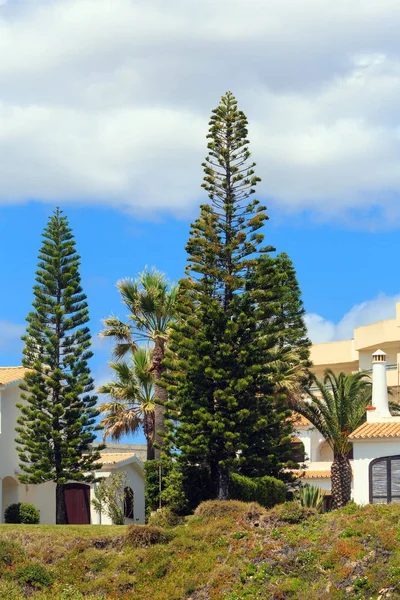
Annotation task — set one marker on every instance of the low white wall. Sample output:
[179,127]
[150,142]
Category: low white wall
[364,452]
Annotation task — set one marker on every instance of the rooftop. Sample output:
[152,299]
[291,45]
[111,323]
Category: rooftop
[371,430]
[11,374]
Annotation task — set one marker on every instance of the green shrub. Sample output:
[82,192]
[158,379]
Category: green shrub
[141,536]
[266,491]
[33,574]
[165,517]
[292,512]
[22,513]
[184,487]
[10,553]
[311,496]
[217,509]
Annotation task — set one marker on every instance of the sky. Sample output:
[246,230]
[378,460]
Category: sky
[104,109]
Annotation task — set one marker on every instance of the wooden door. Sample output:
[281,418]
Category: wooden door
[77,500]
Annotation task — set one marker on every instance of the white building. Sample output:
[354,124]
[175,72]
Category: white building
[375,457]
[78,495]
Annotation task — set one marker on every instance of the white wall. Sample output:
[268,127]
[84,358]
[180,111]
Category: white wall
[135,480]
[364,452]
[9,413]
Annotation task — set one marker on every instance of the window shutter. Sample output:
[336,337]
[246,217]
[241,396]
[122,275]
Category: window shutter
[395,480]
[379,482]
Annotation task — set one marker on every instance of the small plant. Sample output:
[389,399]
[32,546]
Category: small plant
[110,497]
[165,517]
[10,553]
[310,496]
[141,536]
[292,512]
[33,574]
[22,512]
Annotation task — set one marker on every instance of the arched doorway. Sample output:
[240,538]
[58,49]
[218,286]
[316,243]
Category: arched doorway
[325,452]
[298,451]
[384,480]
[77,502]
[9,493]
[128,503]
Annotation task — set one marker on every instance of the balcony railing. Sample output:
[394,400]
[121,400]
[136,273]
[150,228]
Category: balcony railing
[392,367]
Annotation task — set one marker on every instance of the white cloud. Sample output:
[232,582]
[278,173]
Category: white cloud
[107,101]
[10,336]
[380,308]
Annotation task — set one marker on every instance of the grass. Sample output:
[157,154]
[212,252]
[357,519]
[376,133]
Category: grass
[232,552]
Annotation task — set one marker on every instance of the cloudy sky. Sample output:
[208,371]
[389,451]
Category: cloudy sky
[104,106]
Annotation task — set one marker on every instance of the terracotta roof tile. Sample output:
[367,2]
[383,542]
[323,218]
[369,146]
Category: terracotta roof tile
[376,431]
[324,474]
[11,374]
[299,420]
[111,458]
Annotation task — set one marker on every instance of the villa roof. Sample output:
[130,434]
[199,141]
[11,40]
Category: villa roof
[323,474]
[111,458]
[299,421]
[11,374]
[376,431]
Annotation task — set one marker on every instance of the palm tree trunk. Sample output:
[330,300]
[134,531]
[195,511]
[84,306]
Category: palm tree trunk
[148,426]
[341,476]
[161,398]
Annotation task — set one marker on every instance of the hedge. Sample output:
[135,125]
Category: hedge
[267,491]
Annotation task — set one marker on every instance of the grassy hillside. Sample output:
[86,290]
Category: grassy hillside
[228,550]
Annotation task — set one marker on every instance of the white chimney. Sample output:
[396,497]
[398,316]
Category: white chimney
[379,385]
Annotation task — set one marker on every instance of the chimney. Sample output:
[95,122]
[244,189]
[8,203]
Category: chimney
[379,385]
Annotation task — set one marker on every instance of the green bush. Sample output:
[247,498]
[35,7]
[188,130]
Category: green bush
[266,491]
[141,536]
[183,487]
[217,509]
[33,574]
[292,512]
[22,513]
[164,518]
[10,553]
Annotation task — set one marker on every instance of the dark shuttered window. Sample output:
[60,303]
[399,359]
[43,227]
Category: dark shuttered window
[384,480]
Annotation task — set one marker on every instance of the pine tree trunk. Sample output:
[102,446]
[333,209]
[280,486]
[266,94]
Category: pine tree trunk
[341,476]
[162,397]
[61,508]
[223,484]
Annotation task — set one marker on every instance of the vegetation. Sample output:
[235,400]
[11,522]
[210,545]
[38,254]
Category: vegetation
[267,491]
[132,399]
[226,414]
[311,496]
[57,421]
[227,551]
[151,303]
[336,410]
[21,512]
[109,497]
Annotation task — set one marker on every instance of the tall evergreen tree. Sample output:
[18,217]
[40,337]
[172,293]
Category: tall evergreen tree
[57,420]
[222,398]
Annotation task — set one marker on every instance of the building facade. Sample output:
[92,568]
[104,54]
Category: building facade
[348,356]
[125,458]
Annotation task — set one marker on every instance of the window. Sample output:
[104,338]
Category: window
[384,480]
[128,503]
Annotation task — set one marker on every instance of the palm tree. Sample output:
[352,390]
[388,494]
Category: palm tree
[336,410]
[151,303]
[131,401]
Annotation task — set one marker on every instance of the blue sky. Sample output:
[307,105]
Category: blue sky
[104,107]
